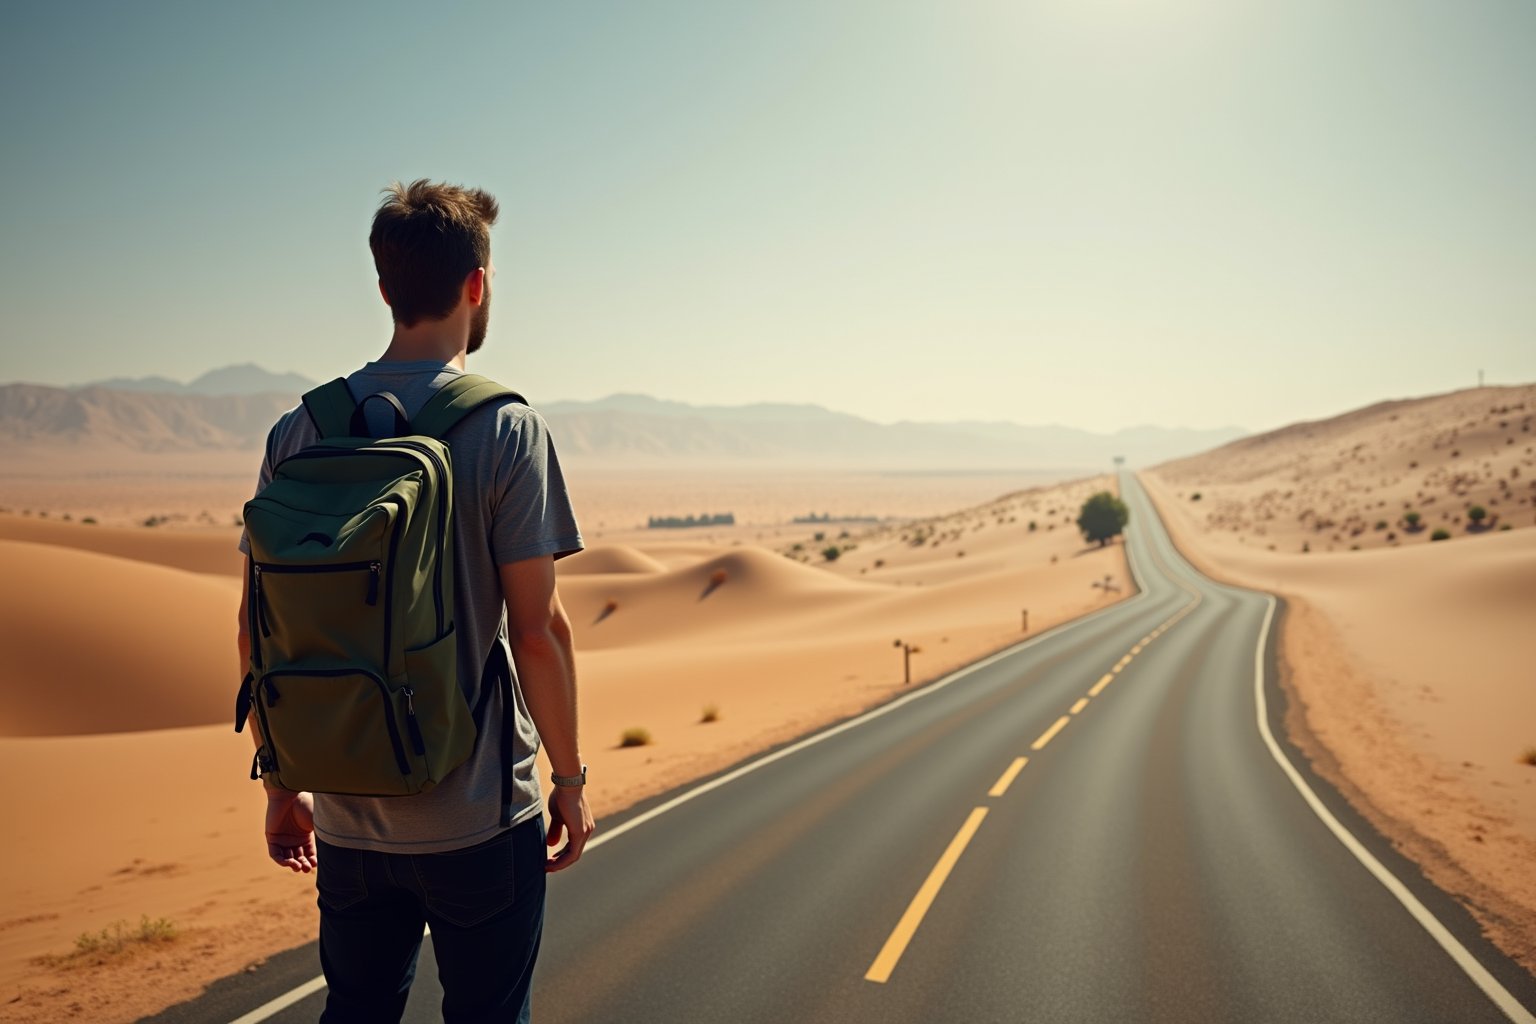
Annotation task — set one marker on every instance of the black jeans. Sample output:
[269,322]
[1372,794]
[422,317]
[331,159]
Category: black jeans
[486,908]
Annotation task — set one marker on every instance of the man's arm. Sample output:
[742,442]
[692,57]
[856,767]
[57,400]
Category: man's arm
[540,635]
[290,816]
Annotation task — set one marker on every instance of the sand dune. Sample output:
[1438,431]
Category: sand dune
[208,550]
[607,559]
[101,644]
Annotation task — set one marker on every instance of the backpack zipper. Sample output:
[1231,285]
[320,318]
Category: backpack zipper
[392,450]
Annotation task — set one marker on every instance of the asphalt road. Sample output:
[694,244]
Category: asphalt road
[1152,860]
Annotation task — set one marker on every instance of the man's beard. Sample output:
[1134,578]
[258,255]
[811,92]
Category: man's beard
[478,323]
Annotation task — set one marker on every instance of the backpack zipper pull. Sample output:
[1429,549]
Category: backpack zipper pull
[271,688]
[261,604]
[417,740]
[373,582]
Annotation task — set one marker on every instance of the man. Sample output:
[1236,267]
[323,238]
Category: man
[387,866]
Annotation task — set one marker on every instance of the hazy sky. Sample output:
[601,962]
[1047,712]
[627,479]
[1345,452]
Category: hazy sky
[1092,212]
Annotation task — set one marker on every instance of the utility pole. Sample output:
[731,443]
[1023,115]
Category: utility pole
[907,650]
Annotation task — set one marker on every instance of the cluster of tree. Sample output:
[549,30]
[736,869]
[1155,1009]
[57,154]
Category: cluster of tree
[682,522]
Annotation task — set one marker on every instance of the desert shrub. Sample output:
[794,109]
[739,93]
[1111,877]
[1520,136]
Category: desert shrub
[89,520]
[635,737]
[830,552]
[1306,546]
[711,713]
[1412,519]
[610,606]
[117,939]
[879,563]
[1381,524]
[1477,514]
[819,536]
[1033,526]
[717,577]
[1440,534]
[1391,536]
[959,554]
[1529,757]
[1506,526]
[1195,496]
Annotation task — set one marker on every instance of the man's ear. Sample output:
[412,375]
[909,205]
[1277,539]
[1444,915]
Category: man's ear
[474,286]
[384,294]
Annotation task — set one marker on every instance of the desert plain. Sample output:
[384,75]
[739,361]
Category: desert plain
[717,642]
[1408,661]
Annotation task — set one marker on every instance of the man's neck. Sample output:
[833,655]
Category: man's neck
[441,340]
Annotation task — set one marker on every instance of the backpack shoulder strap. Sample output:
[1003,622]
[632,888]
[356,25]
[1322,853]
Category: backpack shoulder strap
[330,407]
[457,399]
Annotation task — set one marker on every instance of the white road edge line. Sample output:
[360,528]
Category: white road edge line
[282,1002]
[1463,958]
[1437,931]
[313,985]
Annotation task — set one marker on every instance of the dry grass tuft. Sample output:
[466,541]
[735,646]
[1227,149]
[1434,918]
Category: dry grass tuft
[711,713]
[116,940]
[635,737]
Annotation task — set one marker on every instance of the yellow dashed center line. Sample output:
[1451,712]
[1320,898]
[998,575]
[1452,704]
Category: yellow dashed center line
[1006,779]
[1050,734]
[890,953]
[901,935]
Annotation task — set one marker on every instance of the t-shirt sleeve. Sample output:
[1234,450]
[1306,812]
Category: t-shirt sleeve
[531,512]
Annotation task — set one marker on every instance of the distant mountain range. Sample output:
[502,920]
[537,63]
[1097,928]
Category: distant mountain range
[232,408]
[245,379]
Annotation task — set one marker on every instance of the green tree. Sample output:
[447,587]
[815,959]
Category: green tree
[1103,516]
[1412,519]
[1477,514]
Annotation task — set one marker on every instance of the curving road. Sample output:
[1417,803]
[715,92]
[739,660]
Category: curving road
[1096,825]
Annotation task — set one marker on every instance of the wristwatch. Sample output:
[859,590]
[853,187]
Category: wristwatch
[570,780]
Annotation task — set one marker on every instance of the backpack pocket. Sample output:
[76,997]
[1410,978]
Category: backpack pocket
[439,723]
[332,612]
[336,730]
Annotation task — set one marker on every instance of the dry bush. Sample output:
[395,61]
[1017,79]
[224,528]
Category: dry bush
[635,737]
[711,713]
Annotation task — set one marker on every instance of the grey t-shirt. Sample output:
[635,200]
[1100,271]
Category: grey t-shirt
[510,503]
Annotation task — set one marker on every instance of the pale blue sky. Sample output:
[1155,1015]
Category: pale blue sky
[1093,212]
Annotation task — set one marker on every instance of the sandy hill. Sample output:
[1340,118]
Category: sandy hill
[192,550]
[606,559]
[99,644]
[1351,480]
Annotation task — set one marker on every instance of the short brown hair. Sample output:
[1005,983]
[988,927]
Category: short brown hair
[426,238]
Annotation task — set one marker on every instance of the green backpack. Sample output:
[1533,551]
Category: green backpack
[354,671]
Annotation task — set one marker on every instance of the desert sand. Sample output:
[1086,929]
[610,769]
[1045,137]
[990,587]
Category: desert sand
[118,711]
[1409,660]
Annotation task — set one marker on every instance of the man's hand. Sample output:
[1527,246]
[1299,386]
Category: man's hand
[291,830]
[568,813]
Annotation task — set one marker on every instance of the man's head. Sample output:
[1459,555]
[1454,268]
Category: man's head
[427,240]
